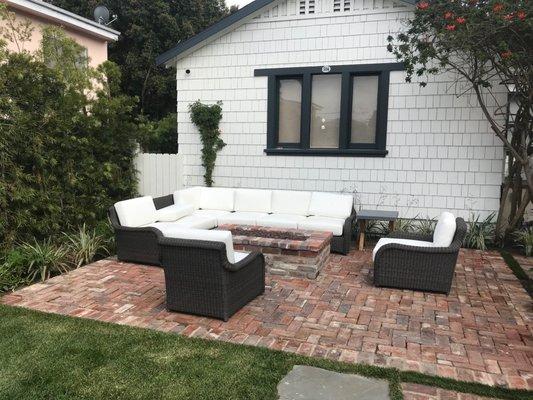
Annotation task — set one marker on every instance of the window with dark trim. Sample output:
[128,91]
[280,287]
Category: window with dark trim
[330,110]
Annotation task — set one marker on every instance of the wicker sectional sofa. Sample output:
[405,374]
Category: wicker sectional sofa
[140,223]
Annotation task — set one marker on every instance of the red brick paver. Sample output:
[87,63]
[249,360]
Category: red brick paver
[481,332]
[413,391]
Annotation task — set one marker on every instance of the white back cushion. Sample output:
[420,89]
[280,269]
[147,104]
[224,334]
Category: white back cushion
[445,230]
[254,200]
[173,212]
[136,212]
[217,199]
[210,236]
[189,196]
[290,202]
[331,205]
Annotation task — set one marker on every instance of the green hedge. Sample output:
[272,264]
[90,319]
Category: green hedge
[65,156]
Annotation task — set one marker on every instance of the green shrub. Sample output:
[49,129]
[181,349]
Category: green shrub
[480,233]
[30,262]
[65,157]
[524,237]
[14,271]
[84,245]
[161,136]
[425,226]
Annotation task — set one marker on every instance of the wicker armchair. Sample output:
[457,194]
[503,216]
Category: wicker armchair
[418,268]
[200,280]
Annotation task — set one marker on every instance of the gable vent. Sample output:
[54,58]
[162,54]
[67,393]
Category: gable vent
[336,5]
[306,7]
[346,5]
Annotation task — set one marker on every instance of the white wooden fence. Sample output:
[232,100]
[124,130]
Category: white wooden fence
[159,174]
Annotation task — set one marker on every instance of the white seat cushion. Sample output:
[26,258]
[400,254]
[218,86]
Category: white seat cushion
[173,212]
[136,212]
[289,221]
[189,196]
[239,255]
[253,200]
[211,213]
[290,202]
[242,218]
[210,236]
[189,221]
[331,205]
[326,224]
[408,242]
[444,230]
[217,199]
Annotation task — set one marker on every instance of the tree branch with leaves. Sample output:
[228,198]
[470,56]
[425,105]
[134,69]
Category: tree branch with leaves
[488,44]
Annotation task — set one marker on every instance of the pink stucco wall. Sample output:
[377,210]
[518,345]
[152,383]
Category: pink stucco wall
[96,47]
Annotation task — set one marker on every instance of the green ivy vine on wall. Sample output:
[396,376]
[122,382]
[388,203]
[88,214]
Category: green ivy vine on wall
[207,118]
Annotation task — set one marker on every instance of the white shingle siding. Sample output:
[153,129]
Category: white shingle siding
[442,154]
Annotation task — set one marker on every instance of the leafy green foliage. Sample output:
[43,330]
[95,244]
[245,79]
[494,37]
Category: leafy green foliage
[29,262]
[426,226]
[33,261]
[65,156]
[525,239]
[207,118]
[161,136]
[84,245]
[148,28]
[480,232]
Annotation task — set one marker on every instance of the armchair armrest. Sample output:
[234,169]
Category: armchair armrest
[411,236]
[250,258]
[416,249]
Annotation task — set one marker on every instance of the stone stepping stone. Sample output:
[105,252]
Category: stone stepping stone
[310,383]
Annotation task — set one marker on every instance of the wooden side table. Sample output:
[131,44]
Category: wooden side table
[374,215]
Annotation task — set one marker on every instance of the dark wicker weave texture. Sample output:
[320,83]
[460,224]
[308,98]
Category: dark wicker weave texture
[341,244]
[138,245]
[418,268]
[200,280]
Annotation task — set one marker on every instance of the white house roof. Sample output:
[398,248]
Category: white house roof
[64,17]
[225,25]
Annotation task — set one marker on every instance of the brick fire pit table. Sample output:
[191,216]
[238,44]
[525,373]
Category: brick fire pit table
[288,252]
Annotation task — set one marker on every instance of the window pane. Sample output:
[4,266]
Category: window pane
[290,109]
[364,109]
[325,111]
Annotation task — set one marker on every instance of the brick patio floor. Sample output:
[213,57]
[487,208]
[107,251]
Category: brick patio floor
[481,332]
[413,391]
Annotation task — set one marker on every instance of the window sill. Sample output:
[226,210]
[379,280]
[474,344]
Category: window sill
[327,152]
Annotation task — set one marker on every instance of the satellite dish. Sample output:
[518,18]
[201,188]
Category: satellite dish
[101,15]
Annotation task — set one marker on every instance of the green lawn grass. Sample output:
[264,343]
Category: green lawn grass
[45,356]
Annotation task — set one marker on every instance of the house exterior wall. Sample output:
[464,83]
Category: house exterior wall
[96,48]
[442,154]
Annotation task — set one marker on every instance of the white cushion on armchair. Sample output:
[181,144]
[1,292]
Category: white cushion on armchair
[136,212]
[407,242]
[210,236]
[445,230]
